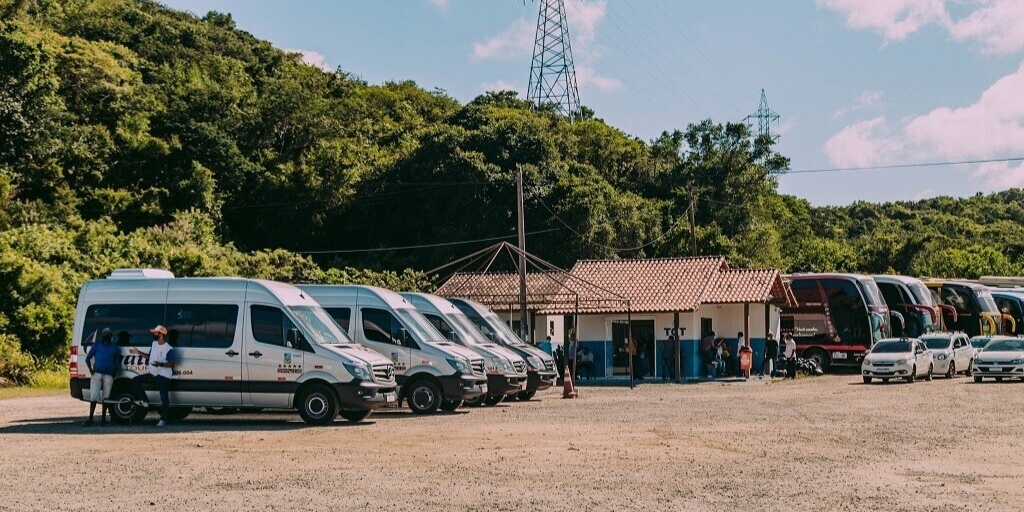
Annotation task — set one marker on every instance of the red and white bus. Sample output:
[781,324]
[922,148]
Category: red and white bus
[837,319]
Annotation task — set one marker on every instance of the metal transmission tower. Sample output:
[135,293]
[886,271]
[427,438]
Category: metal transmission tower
[552,73]
[765,117]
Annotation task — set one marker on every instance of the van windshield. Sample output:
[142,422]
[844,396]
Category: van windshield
[319,325]
[465,329]
[419,327]
[503,331]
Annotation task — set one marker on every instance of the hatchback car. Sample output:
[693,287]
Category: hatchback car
[1002,358]
[951,352]
[898,358]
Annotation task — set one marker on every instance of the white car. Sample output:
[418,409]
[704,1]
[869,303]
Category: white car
[1002,358]
[951,352]
[897,358]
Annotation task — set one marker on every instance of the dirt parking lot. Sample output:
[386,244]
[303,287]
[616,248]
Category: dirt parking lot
[828,443]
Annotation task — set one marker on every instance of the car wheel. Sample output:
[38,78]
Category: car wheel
[885,381]
[450,405]
[928,376]
[319,406]
[913,375]
[176,414]
[970,364]
[999,379]
[424,397]
[356,416]
[125,412]
[952,370]
[526,396]
[220,411]
[867,380]
[977,379]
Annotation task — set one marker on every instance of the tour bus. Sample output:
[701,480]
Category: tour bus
[432,373]
[837,318]
[1003,283]
[910,298]
[971,308]
[238,342]
[540,366]
[506,371]
[1011,304]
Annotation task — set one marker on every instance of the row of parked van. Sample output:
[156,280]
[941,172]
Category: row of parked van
[321,350]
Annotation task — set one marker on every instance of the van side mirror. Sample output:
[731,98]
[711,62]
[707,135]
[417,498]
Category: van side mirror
[293,339]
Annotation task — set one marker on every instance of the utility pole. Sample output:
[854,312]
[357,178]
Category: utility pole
[523,329]
[552,72]
[693,218]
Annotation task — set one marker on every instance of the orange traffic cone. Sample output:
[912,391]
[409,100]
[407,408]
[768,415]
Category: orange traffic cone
[568,391]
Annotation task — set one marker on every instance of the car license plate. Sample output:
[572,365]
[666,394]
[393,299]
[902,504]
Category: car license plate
[838,355]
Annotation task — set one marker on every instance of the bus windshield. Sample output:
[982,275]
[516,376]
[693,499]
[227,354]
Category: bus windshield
[320,326]
[985,301]
[921,294]
[872,295]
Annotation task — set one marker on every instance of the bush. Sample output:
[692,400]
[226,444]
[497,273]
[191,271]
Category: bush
[16,367]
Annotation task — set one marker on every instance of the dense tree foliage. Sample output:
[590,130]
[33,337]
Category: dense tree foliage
[134,135]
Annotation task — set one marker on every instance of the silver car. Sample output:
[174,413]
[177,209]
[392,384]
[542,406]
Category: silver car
[1002,358]
[897,358]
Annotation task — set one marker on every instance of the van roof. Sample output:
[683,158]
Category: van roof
[172,288]
[326,292]
[890,278]
[432,301]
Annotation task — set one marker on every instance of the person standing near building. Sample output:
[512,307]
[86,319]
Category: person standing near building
[103,361]
[668,359]
[771,353]
[161,368]
[734,361]
[546,345]
[790,357]
[707,343]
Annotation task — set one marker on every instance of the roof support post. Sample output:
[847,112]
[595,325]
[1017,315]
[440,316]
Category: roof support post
[631,347]
[678,347]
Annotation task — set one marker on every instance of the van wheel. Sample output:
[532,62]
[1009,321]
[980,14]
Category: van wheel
[220,411]
[125,412]
[491,401]
[450,405]
[475,402]
[526,396]
[424,397]
[319,406]
[176,414]
[356,416]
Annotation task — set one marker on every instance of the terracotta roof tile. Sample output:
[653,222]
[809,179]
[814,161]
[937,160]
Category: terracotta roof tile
[746,285]
[502,289]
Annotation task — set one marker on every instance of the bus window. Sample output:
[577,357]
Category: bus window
[847,307]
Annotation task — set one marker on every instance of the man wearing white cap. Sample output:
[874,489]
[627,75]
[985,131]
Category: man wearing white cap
[161,364]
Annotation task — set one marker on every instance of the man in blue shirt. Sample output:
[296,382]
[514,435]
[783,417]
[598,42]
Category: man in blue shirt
[103,361]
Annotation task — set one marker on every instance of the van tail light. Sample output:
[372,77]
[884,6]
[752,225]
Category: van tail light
[73,366]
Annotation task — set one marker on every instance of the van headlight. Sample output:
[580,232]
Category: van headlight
[535,362]
[358,370]
[459,365]
[503,365]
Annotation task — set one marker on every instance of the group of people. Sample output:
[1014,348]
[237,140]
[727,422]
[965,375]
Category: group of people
[580,362]
[104,361]
[720,361]
[771,355]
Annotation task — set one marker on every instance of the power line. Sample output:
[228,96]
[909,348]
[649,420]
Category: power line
[906,166]
[426,246]
[615,249]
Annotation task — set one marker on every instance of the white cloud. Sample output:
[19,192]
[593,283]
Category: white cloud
[997,24]
[513,42]
[865,100]
[924,194]
[990,128]
[587,77]
[442,5]
[502,85]
[314,59]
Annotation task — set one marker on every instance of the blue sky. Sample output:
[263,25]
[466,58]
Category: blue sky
[858,83]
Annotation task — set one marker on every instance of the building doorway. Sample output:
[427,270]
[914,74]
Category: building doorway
[643,335]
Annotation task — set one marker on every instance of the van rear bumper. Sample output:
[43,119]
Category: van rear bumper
[504,385]
[536,381]
[77,387]
[360,395]
[462,387]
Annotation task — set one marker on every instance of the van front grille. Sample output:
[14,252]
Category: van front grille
[478,366]
[520,366]
[549,365]
[384,372]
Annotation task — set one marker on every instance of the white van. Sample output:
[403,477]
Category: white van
[240,343]
[540,366]
[432,373]
[506,371]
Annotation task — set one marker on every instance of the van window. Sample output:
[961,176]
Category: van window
[442,326]
[382,327]
[343,316]
[269,325]
[134,319]
[203,325]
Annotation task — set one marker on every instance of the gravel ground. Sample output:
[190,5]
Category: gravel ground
[828,443]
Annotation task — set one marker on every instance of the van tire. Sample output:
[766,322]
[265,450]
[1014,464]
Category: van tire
[424,397]
[450,405]
[356,416]
[125,412]
[475,402]
[220,411]
[176,414]
[319,405]
[526,396]
[491,401]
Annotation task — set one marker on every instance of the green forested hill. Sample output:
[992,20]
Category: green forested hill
[135,135]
